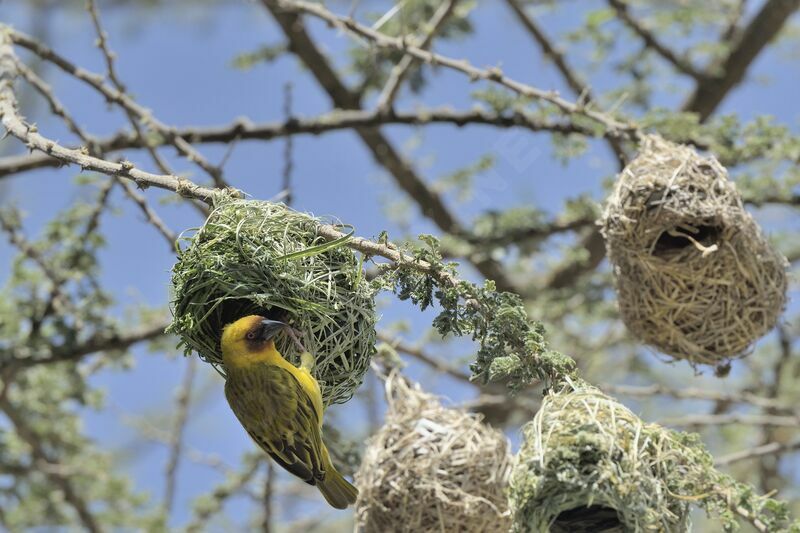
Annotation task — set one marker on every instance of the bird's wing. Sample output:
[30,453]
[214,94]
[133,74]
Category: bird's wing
[281,417]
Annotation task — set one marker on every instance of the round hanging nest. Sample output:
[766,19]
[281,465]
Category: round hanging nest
[430,468]
[588,463]
[695,276]
[254,257]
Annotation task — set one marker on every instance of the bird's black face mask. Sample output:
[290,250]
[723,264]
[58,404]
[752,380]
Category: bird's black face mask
[263,332]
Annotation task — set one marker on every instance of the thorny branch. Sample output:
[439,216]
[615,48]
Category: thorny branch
[113,95]
[182,405]
[28,134]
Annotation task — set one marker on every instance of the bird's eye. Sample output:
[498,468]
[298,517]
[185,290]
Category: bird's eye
[250,336]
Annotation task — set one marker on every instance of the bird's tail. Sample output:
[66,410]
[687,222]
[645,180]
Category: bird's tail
[336,489]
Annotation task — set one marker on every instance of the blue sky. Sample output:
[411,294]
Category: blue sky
[178,63]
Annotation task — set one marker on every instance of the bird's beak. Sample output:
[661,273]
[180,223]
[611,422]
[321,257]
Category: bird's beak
[270,328]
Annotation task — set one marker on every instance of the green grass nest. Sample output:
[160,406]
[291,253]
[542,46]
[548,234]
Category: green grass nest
[589,464]
[255,257]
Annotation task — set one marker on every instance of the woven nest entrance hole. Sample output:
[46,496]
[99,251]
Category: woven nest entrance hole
[695,276]
[432,468]
[253,257]
[588,464]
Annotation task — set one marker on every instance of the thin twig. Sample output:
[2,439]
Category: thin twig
[288,163]
[29,135]
[768,470]
[182,405]
[58,297]
[95,148]
[698,394]
[772,448]
[398,73]
[266,521]
[420,355]
[150,215]
[234,484]
[56,107]
[133,119]
[115,96]
[733,418]
[680,63]
[581,89]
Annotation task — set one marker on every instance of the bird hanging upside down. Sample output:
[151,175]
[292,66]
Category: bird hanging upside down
[280,405]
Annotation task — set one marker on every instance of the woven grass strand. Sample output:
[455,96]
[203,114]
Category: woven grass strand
[254,257]
[588,463]
[695,276]
[432,468]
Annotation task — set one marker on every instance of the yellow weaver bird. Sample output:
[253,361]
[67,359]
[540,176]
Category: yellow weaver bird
[280,405]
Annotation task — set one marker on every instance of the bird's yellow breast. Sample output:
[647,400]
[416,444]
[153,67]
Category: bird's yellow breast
[242,360]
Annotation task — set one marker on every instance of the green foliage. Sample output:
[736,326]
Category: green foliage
[263,54]
[461,181]
[44,312]
[512,347]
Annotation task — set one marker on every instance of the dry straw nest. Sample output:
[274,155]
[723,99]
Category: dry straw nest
[695,276]
[431,468]
[588,463]
[254,257]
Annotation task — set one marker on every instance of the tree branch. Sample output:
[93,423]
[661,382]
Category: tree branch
[115,96]
[612,126]
[99,342]
[711,90]
[772,448]
[30,136]
[420,355]
[699,394]
[733,418]
[578,87]
[392,87]
[182,403]
[243,130]
[680,63]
